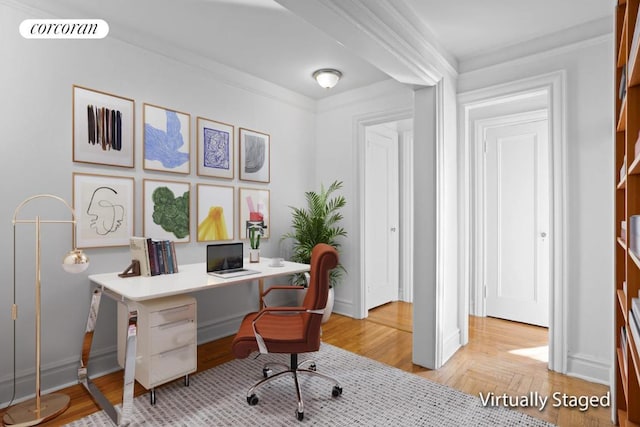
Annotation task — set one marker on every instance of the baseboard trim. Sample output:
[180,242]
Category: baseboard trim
[451,345]
[103,361]
[588,368]
[345,308]
[57,376]
[219,328]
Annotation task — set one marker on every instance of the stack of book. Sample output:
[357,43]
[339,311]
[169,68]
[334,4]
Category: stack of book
[623,345]
[622,91]
[634,321]
[633,51]
[633,234]
[155,256]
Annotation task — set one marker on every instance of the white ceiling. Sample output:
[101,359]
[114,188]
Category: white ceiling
[264,39]
[467,28]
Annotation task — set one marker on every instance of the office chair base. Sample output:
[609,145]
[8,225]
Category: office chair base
[293,370]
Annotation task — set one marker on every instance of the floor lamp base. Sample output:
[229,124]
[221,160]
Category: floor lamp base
[25,414]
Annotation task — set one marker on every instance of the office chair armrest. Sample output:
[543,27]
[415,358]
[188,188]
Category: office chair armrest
[282,288]
[278,310]
[278,288]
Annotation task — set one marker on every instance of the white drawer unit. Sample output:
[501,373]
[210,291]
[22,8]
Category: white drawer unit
[166,346]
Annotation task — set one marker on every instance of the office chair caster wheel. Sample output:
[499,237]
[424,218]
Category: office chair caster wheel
[266,372]
[252,400]
[300,415]
[337,391]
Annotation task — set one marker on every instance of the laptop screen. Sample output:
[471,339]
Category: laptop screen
[224,256]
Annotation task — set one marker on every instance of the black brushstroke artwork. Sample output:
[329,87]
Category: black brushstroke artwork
[104,127]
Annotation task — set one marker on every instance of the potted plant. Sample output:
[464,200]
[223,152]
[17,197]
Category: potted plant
[318,223]
[254,241]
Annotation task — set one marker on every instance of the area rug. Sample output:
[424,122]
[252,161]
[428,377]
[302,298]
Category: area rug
[374,394]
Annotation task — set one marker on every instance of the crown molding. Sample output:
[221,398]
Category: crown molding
[572,38]
[222,73]
[541,56]
[380,33]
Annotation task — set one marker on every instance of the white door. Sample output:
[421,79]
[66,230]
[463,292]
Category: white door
[516,222]
[381,216]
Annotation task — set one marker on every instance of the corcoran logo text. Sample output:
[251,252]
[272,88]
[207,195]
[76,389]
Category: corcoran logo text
[64,29]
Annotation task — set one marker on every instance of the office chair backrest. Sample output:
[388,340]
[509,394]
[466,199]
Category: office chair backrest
[324,258]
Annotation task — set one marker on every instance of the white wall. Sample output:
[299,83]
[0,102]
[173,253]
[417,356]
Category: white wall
[337,159]
[589,191]
[36,81]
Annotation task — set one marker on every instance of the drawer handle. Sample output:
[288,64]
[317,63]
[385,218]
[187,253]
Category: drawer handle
[175,309]
[174,324]
[173,350]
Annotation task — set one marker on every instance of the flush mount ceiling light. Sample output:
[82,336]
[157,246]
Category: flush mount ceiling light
[327,77]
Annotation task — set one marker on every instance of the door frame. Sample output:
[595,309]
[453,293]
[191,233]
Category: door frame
[478,298]
[360,124]
[554,86]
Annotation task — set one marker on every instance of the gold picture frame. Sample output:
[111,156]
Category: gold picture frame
[166,139]
[102,128]
[105,209]
[215,212]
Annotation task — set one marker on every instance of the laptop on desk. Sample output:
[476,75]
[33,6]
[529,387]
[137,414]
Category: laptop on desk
[225,260]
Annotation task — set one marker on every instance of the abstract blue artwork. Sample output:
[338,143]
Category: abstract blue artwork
[215,149]
[166,140]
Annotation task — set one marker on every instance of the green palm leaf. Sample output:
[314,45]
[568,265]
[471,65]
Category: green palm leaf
[317,223]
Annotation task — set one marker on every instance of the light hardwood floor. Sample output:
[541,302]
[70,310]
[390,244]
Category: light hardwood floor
[497,359]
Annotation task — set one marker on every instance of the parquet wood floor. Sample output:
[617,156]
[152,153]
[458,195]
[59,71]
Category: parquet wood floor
[499,358]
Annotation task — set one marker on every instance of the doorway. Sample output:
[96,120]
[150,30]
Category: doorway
[385,232]
[545,92]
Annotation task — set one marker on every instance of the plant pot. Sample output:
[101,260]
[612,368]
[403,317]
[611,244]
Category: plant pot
[329,307]
[254,255]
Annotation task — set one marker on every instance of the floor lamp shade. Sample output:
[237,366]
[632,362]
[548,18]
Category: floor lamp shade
[41,408]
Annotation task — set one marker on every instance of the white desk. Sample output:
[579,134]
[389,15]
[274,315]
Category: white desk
[190,278]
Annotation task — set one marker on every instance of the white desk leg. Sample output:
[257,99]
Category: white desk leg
[119,417]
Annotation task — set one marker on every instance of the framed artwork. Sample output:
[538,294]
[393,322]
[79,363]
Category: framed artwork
[166,139]
[102,128]
[104,208]
[166,210]
[254,211]
[255,158]
[215,209]
[215,149]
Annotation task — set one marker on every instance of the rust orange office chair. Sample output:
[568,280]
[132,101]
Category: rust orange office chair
[291,330]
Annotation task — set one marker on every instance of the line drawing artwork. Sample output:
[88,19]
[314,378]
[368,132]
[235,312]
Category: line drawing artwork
[216,149]
[105,214]
[105,207]
[254,152]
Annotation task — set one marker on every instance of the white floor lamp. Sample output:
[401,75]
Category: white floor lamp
[41,408]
